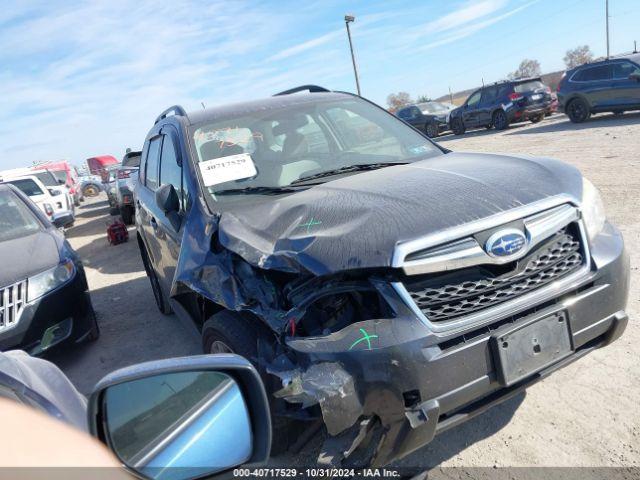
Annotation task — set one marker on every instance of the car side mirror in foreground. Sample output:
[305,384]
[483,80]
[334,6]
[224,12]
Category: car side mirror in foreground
[167,199]
[183,418]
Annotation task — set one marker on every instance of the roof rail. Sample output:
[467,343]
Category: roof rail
[176,109]
[302,88]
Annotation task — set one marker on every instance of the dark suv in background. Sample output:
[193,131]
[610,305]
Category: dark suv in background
[431,117]
[609,86]
[501,104]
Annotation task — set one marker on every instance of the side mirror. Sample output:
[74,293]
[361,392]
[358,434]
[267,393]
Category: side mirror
[167,199]
[635,76]
[61,182]
[183,418]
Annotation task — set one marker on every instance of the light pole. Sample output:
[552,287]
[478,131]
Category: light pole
[347,20]
[607,14]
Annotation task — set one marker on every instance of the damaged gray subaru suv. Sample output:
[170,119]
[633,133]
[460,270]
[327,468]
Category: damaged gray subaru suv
[382,285]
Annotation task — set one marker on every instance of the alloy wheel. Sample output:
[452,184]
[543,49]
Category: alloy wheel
[219,347]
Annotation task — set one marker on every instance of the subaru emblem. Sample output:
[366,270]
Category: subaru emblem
[506,243]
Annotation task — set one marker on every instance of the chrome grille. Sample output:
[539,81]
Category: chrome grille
[12,301]
[559,256]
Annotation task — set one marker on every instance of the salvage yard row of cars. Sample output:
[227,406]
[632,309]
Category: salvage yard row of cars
[611,85]
[372,280]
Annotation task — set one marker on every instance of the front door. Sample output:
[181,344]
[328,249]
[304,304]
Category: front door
[625,91]
[470,110]
[170,227]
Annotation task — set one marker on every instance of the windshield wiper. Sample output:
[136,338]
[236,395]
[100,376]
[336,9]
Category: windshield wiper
[259,190]
[350,168]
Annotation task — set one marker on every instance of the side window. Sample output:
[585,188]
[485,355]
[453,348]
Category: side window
[489,95]
[151,168]
[403,114]
[593,74]
[622,70]
[415,112]
[170,171]
[474,99]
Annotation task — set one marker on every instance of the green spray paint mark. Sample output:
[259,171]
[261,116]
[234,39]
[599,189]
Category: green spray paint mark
[365,338]
[310,223]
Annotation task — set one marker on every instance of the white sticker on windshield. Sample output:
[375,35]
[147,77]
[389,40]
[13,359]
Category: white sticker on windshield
[227,169]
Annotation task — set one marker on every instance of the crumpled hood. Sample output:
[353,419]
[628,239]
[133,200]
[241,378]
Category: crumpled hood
[356,221]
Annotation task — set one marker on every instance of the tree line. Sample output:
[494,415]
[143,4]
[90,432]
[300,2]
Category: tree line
[527,68]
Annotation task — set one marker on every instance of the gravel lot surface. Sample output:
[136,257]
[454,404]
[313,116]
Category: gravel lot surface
[588,414]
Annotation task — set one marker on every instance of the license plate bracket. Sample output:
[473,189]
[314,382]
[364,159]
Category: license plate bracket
[526,349]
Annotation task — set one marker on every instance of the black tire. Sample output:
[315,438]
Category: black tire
[457,126]
[538,118]
[432,130]
[127,215]
[90,190]
[241,335]
[499,120]
[161,301]
[94,332]
[578,110]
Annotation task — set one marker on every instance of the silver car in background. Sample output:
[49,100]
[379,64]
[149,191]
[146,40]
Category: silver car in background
[126,175]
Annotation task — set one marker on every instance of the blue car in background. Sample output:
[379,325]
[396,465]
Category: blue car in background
[611,85]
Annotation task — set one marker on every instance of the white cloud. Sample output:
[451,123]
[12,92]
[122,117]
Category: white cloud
[473,28]
[308,45]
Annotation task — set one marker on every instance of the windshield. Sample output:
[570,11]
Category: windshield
[28,186]
[132,160]
[16,220]
[528,86]
[276,147]
[47,178]
[432,107]
[60,175]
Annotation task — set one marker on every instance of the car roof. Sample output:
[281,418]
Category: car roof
[22,177]
[275,102]
[53,166]
[634,57]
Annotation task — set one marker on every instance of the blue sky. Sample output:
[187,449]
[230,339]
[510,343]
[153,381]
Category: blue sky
[88,78]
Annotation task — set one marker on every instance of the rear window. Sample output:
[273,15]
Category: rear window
[528,86]
[28,186]
[16,220]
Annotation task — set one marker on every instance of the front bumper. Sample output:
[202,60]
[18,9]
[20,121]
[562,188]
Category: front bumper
[59,317]
[419,382]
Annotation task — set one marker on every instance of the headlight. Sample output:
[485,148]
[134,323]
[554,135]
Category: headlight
[592,209]
[44,282]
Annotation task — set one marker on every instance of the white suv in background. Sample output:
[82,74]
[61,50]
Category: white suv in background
[53,201]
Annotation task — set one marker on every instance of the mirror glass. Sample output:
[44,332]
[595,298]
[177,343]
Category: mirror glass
[178,425]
